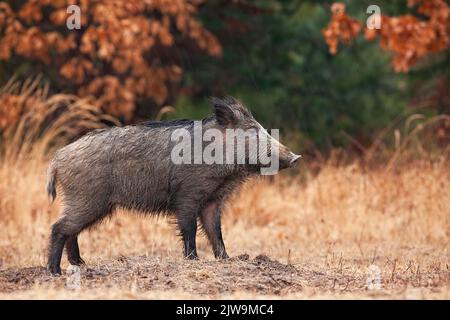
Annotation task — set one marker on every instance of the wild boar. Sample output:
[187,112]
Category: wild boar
[135,167]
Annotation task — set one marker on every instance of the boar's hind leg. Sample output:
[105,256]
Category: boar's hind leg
[73,251]
[65,231]
[57,240]
[210,218]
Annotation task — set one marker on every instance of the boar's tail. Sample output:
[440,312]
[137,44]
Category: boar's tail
[51,180]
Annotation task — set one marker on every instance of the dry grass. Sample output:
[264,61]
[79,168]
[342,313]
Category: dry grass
[33,122]
[310,237]
[320,235]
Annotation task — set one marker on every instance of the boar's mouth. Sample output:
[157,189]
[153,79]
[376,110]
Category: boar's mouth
[294,159]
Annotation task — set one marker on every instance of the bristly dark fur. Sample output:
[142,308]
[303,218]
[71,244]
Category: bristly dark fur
[131,167]
[170,123]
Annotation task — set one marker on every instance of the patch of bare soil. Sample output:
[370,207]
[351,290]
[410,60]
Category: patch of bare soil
[203,279]
[260,275]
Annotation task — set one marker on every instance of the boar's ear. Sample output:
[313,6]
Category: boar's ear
[229,111]
[224,112]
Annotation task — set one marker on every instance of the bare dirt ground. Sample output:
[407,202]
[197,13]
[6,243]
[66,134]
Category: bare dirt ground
[242,276]
[345,233]
[260,275]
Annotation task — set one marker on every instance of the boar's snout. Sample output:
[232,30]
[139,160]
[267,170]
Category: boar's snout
[293,159]
[288,159]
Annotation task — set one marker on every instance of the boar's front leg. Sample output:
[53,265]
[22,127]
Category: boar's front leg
[187,223]
[210,218]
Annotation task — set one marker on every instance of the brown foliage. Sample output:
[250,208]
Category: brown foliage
[341,27]
[408,37]
[115,55]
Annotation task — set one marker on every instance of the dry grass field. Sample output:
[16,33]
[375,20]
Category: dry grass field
[322,236]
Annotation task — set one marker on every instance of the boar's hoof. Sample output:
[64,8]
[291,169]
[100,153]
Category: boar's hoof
[55,270]
[222,256]
[77,261]
[192,256]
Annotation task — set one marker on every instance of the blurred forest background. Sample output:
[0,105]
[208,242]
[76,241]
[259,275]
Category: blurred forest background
[310,68]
